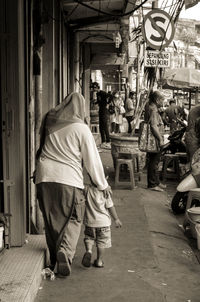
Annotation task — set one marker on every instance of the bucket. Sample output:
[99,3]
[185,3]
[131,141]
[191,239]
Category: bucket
[194,214]
[193,217]
[197,228]
[1,237]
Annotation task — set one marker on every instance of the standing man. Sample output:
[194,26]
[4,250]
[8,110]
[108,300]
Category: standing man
[181,110]
[192,137]
[102,101]
[170,116]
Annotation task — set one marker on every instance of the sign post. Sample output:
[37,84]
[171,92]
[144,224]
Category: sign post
[158,29]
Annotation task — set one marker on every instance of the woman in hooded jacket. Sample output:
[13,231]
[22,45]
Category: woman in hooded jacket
[67,145]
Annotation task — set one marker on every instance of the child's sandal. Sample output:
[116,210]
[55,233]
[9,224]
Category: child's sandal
[98,265]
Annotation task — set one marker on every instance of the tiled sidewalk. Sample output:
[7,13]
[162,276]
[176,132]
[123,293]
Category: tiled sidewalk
[20,270]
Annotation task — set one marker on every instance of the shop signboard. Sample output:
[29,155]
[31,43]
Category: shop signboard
[153,58]
[168,93]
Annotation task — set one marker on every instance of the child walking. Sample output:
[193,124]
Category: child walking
[97,221]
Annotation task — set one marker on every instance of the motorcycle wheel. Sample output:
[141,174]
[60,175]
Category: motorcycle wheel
[179,202]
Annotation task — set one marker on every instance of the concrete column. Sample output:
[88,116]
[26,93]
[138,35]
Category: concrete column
[77,87]
[196,97]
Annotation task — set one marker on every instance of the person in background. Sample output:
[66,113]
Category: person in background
[170,116]
[130,108]
[182,113]
[97,223]
[93,97]
[153,117]
[67,145]
[186,110]
[109,96]
[103,100]
[116,119]
[192,134]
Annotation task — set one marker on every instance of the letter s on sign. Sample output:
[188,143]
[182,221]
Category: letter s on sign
[158,28]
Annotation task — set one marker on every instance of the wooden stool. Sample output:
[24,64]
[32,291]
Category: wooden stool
[193,194]
[94,128]
[129,163]
[168,158]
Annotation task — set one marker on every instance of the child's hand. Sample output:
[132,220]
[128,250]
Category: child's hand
[118,223]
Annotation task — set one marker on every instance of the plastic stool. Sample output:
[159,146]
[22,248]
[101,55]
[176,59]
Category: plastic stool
[129,163]
[136,162]
[136,165]
[175,160]
[94,128]
[193,194]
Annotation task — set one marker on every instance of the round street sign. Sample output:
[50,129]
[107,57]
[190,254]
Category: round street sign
[158,29]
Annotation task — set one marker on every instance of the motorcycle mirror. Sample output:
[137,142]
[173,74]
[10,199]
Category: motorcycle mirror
[187,184]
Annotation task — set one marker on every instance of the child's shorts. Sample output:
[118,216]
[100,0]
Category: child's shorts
[102,236]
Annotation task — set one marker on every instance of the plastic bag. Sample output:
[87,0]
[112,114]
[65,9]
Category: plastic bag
[48,273]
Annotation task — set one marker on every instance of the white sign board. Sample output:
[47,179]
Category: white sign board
[168,93]
[158,29]
[153,58]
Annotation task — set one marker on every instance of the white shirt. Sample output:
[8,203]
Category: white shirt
[129,107]
[96,211]
[63,154]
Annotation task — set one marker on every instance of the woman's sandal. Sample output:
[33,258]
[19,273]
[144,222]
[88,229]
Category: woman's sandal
[98,265]
[157,189]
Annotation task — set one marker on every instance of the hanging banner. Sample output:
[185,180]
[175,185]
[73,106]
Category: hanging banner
[157,59]
[190,3]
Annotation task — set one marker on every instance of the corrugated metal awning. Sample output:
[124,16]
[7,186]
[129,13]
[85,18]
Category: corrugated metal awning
[181,78]
[197,58]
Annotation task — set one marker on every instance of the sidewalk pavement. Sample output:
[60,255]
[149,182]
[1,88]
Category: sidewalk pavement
[20,270]
[150,260]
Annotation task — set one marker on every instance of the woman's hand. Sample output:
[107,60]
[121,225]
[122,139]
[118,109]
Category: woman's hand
[161,144]
[107,192]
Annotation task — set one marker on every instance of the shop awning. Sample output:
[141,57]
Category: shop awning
[181,78]
[197,58]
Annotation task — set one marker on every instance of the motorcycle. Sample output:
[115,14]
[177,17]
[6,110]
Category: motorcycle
[177,145]
[179,201]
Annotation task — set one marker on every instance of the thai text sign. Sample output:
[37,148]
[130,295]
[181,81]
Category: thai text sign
[153,58]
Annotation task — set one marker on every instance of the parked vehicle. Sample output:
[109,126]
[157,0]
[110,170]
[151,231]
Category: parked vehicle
[177,145]
[179,201]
